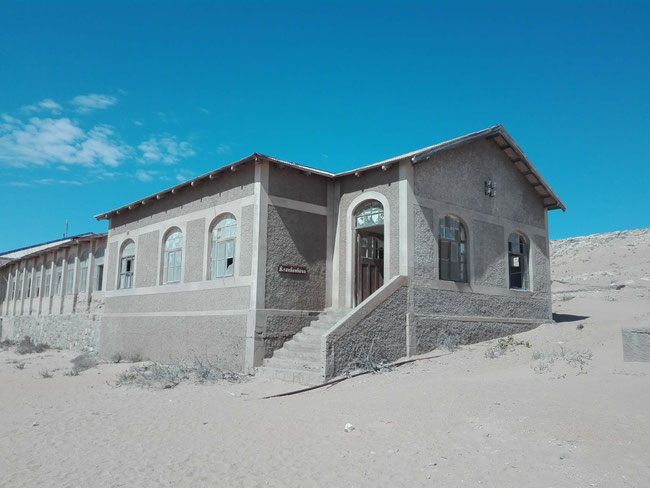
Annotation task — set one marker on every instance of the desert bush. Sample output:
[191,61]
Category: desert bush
[84,361]
[6,344]
[163,376]
[27,346]
[504,345]
[45,373]
[366,357]
[546,359]
[116,358]
[20,365]
[134,357]
[71,372]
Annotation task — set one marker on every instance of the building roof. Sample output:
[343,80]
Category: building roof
[496,133]
[27,252]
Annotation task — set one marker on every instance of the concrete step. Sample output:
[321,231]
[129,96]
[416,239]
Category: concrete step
[295,364]
[308,378]
[311,356]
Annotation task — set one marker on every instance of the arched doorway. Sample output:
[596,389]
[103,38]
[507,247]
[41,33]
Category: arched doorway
[369,237]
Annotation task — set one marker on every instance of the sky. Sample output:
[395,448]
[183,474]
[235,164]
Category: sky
[102,103]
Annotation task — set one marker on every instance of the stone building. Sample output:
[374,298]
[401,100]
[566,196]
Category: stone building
[281,269]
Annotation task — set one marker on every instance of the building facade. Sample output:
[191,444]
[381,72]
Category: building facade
[295,273]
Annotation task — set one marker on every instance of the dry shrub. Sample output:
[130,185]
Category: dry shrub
[83,362]
[163,376]
[27,346]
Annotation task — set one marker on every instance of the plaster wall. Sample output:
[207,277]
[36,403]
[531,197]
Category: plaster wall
[295,238]
[296,185]
[219,339]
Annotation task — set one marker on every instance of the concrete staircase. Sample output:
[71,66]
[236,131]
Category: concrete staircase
[299,359]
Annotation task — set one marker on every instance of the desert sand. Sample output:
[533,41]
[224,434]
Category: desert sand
[516,418]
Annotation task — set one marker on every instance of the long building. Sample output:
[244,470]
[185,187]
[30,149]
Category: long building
[270,267]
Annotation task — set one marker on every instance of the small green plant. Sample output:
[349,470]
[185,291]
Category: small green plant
[504,345]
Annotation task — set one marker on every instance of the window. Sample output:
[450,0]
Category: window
[83,273]
[69,277]
[48,279]
[13,287]
[29,283]
[21,284]
[58,276]
[222,250]
[371,214]
[518,262]
[99,270]
[173,257]
[127,265]
[453,250]
[37,291]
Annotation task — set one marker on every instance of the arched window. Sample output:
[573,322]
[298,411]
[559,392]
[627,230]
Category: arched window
[83,272]
[222,248]
[58,276]
[369,215]
[127,265]
[99,269]
[48,279]
[69,277]
[518,262]
[173,258]
[453,250]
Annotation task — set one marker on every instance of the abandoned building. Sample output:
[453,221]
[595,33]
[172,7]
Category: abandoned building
[275,268]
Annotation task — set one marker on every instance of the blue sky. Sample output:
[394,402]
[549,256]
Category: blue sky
[105,102]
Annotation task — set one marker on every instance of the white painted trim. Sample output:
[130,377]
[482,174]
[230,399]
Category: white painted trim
[297,205]
[349,251]
[216,284]
[191,313]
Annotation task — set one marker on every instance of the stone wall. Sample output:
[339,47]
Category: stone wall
[282,328]
[79,332]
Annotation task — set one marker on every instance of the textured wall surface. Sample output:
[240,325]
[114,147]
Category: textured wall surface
[237,184]
[458,176]
[488,254]
[430,301]
[425,252]
[433,333]
[381,336]
[295,238]
[197,300]
[147,264]
[246,240]
[219,339]
[295,185]
[282,328]
[195,243]
[71,331]
[110,263]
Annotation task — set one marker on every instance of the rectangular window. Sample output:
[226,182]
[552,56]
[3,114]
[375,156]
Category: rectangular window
[99,276]
[57,280]
[126,272]
[69,278]
[48,280]
[37,292]
[29,284]
[21,284]
[224,259]
[83,278]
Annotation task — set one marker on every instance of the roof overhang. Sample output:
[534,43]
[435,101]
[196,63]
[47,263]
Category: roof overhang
[69,242]
[496,133]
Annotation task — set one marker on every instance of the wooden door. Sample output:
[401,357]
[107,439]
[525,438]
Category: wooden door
[369,264]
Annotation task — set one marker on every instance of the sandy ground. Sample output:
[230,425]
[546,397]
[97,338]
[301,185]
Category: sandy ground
[463,419]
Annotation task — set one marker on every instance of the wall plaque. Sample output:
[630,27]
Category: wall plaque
[284,268]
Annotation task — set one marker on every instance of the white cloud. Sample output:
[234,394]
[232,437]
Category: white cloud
[45,141]
[204,110]
[137,122]
[52,181]
[223,148]
[94,101]
[143,175]
[165,150]
[44,105]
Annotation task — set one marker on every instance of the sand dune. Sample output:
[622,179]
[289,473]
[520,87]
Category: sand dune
[537,416]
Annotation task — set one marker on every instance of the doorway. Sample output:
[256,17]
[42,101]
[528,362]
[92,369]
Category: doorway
[369,266]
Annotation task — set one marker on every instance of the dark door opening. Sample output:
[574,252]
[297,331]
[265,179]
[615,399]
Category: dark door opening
[369,274]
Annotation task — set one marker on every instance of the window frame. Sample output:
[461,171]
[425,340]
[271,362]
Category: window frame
[524,260]
[459,273]
[174,254]
[126,266]
[58,277]
[70,268]
[223,242]
[98,274]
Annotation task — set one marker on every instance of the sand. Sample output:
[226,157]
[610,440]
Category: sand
[463,419]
